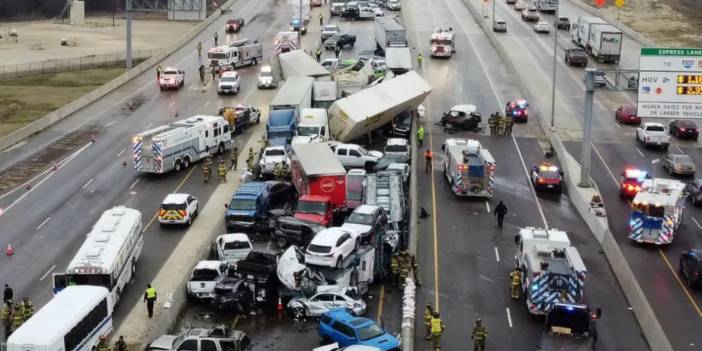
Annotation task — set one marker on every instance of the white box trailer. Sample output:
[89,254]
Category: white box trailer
[324,93]
[581,29]
[361,113]
[296,93]
[398,60]
[605,43]
[389,32]
[298,63]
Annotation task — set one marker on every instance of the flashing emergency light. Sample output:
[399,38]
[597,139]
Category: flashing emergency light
[548,168]
[635,173]
[522,103]
[569,308]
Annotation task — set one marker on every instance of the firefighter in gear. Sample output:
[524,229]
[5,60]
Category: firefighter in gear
[405,265]
[321,19]
[102,345]
[121,345]
[285,174]
[428,158]
[27,309]
[428,313]
[419,60]
[516,277]
[509,122]
[278,171]
[158,72]
[250,159]
[206,170]
[199,49]
[395,269]
[216,38]
[479,336]
[437,328]
[17,319]
[222,171]
[6,317]
[501,125]
[318,54]
[412,263]
[492,122]
[202,70]
[420,136]
[234,157]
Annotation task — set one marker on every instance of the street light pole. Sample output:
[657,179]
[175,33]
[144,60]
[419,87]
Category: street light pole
[129,34]
[586,144]
[493,11]
[555,57]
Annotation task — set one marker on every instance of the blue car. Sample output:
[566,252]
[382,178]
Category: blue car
[342,327]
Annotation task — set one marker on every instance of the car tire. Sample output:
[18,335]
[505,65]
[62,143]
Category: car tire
[281,242]
[339,262]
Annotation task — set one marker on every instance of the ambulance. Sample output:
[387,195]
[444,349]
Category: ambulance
[657,211]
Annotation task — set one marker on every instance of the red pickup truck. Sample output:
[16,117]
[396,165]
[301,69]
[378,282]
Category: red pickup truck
[320,180]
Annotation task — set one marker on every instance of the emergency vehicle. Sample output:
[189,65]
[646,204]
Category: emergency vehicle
[285,42]
[177,145]
[631,180]
[552,270]
[468,167]
[239,53]
[547,176]
[518,110]
[657,211]
[443,43]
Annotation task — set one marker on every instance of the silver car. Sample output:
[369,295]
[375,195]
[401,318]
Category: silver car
[678,165]
[322,302]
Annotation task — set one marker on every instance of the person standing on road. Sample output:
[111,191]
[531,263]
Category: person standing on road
[492,122]
[7,294]
[216,38]
[199,49]
[516,277]
[428,313]
[501,124]
[395,270]
[202,70]
[321,19]
[509,122]
[6,317]
[17,319]
[479,335]
[419,60]
[120,345]
[420,136]
[158,72]
[337,51]
[318,53]
[213,70]
[234,157]
[27,309]
[428,159]
[206,171]
[222,171]
[150,297]
[500,212]
[437,328]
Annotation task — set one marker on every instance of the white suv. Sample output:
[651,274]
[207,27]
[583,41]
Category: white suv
[178,209]
[273,155]
[204,278]
[397,147]
[229,83]
[330,246]
[355,156]
[329,30]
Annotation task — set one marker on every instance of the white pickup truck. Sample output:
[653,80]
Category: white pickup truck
[355,156]
[203,279]
[273,155]
[171,78]
[653,134]
[232,247]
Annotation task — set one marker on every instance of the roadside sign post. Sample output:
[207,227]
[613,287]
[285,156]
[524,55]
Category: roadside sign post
[670,83]
[619,4]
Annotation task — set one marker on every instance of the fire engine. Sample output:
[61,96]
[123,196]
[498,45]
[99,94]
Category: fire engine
[443,43]
[657,211]
[469,168]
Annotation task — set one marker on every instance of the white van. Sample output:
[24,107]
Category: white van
[313,126]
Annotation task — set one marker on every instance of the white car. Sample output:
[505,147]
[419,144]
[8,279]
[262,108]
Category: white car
[397,147]
[178,209]
[203,279]
[322,302]
[171,78]
[520,5]
[273,155]
[355,156]
[377,10]
[329,30]
[542,27]
[330,246]
[402,168]
[365,12]
[229,83]
[265,79]
[232,247]
[393,5]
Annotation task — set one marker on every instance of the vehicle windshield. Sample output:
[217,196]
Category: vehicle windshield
[684,159]
[204,274]
[275,152]
[216,55]
[170,73]
[330,29]
[362,151]
[360,218]
[236,245]
[312,207]
[318,248]
[228,79]
[308,131]
[369,332]
[655,129]
[242,205]
[266,74]
[396,148]
[650,210]
[90,279]
[441,42]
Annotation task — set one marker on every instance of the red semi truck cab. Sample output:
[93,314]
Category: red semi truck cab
[320,180]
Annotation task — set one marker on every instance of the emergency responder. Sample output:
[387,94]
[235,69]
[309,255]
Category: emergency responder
[509,122]
[500,212]
[419,60]
[405,265]
[213,71]
[437,328]
[318,54]
[216,38]
[285,174]
[150,297]
[102,345]
[492,122]
[206,172]
[250,159]
[277,171]
[321,19]
[27,309]
[121,345]
[395,269]
[479,336]
[337,50]
[234,157]
[199,49]
[222,171]
[428,159]
[428,313]
[158,72]
[6,317]
[516,277]
[202,70]
[412,262]
[420,136]
[17,319]
[501,125]
[7,294]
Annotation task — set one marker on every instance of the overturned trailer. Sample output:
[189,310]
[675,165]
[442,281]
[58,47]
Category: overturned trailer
[359,114]
[385,189]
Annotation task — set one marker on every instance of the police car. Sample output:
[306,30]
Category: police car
[518,110]
[631,180]
[547,176]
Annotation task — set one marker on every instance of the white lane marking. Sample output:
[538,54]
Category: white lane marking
[486,278]
[74,155]
[207,103]
[497,254]
[697,223]
[618,126]
[640,153]
[135,183]
[88,183]
[121,152]
[509,317]
[171,104]
[487,206]
[148,125]
[679,149]
[47,272]
[110,123]
[499,104]
[609,171]
[42,223]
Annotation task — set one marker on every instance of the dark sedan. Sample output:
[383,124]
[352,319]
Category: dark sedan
[691,267]
[684,129]
[340,40]
[350,13]
[563,23]
[576,56]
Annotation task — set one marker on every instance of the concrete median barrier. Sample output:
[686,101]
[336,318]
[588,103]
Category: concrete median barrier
[76,105]
[581,197]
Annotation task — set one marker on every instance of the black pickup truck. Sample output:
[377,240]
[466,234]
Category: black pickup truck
[569,328]
[258,271]
[340,40]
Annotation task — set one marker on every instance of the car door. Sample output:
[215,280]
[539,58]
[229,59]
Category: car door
[340,301]
[320,303]
[342,155]
[188,345]
[345,245]
[343,334]
[355,158]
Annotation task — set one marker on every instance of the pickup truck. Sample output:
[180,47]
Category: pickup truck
[271,156]
[340,40]
[240,116]
[576,56]
[355,156]
[653,134]
[569,327]
[171,78]
[203,339]
[232,247]
[203,279]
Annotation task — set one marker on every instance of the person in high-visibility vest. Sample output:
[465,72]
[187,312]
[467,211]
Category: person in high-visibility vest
[17,319]
[428,156]
[102,345]
[150,297]
[420,136]
[479,336]
[27,309]
[516,277]
[6,317]
[437,328]
[222,171]
[428,313]
[395,270]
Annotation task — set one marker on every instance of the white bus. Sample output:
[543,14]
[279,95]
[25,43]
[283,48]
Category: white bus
[73,320]
[109,254]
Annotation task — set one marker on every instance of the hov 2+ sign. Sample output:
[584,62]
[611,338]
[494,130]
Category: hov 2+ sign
[670,83]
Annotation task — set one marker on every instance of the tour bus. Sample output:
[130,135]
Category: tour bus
[109,254]
[73,320]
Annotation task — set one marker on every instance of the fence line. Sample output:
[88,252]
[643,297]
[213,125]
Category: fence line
[72,64]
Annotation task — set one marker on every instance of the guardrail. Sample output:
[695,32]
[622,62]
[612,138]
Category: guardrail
[72,64]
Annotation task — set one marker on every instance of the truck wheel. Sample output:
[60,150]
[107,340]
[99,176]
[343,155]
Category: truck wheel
[186,162]
[254,62]
[220,149]
[178,166]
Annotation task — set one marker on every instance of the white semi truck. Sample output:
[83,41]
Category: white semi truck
[580,31]
[389,32]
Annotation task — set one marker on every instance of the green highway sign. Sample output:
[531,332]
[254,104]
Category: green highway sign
[671,52]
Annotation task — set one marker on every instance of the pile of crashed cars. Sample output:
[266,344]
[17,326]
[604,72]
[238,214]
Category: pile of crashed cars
[328,235]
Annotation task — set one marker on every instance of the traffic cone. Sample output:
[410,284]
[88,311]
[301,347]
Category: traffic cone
[279,306]
[10,251]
